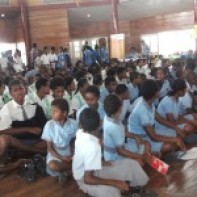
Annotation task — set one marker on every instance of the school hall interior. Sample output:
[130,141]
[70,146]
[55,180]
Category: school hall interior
[98,98]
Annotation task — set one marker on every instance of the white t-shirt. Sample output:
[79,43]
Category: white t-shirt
[87,156]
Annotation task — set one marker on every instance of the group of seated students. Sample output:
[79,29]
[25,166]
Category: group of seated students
[104,133]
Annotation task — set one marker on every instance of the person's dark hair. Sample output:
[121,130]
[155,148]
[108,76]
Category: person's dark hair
[93,90]
[139,61]
[195,93]
[34,45]
[111,105]
[42,82]
[97,80]
[108,80]
[120,70]
[61,104]
[68,81]
[14,83]
[177,85]
[45,48]
[89,120]
[134,75]
[149,89]
[162,70]
[53,48]
[121,89]
[80,74]
[80,84]
[38,75]
[111,72]
[56,82]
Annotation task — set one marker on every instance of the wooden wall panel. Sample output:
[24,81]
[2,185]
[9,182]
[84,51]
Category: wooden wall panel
[49,27]
[135,28]
[7,31]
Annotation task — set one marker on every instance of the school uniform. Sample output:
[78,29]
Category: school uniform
[133,91]
[77,102]
[100,110]
[32,88]
[88,157]
[123,81]
[60,136]
[2,103]
[126,109]
[26,115]
[103,94]
[185,103]
[168,105]
[45,59]
[164,89]
[45,103]
[143,115]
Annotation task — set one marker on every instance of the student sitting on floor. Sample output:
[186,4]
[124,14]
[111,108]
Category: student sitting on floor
[92,99]
[57,86]
[23,121]
[58,133]
[169,109]
[41,96]
[165,85]
[78,100]
[93,177]
[121,75]
[32,87]
[142,121]
[70,88]
[133,87]
[115,134]
[123,94]
[110,87]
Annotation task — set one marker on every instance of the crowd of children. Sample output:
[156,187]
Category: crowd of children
[101,122]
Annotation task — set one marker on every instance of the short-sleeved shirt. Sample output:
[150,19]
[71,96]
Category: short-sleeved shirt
[44,103]
[142,115]
[103,94]
[185,103]
[126,108]
[114,137]
[164,89]
[60,135]
[87,156]
[77,102]
[12,111]
[133,91]
[100,111]
[168,105]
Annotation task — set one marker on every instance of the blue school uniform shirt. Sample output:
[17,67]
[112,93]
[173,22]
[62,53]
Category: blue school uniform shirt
[164,89]
[126,108]
[185,103]
[142,115]
[113,137]
[133,91]
[168,105]
[103,94]
[88,57]
[60,136]
[100,111]
[61,60]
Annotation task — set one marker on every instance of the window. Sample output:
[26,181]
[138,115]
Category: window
[171,42]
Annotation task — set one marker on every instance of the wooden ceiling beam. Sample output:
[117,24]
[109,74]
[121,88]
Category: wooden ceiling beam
[71,5]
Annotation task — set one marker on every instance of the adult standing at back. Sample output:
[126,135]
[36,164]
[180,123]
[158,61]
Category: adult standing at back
[145,49]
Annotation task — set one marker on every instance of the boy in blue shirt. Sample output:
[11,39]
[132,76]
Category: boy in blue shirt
[94,177]
[142,121]
[58,134]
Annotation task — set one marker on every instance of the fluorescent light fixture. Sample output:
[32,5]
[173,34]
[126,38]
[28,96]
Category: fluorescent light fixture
[88,15]
[2,15]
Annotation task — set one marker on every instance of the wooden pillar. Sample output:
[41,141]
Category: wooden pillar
[195,20]
[115,16]
[25,26]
